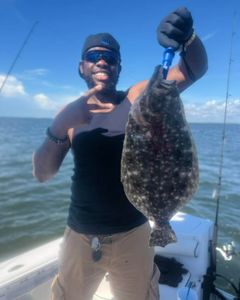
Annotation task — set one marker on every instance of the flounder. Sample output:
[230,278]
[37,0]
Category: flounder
[159,167]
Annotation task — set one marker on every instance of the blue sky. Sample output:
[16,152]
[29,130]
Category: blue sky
[45,76]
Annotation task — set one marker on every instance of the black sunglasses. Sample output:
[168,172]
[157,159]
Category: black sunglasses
[110,57]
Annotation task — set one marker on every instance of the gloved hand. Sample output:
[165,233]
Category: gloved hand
[175,29]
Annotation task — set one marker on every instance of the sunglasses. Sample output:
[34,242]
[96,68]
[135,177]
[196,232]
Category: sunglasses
[110,57]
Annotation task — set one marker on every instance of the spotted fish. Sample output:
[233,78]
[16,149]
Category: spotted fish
[159,167]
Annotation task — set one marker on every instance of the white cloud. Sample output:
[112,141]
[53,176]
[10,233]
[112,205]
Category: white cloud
[32,74]
[39,77]
[45,102]
[213,111]
[12,87]
[14,98]
[15,101]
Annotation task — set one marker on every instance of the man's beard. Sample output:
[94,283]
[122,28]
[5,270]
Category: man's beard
[108,86]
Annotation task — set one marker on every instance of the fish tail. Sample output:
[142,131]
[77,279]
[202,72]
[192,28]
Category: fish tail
[162,236]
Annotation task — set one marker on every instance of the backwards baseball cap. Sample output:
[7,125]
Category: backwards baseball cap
[105,40]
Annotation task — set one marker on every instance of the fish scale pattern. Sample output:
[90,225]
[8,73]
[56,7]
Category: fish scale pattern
[159,167]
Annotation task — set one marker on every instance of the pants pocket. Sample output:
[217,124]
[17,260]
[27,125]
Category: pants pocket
[153,292]
[57,290]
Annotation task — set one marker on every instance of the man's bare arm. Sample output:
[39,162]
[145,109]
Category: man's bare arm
[192,65]
[48,158]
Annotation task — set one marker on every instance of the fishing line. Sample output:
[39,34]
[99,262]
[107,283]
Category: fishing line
[209,279]
[230,282]
[17,55]
[217,191]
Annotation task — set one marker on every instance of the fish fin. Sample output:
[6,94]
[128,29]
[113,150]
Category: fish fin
[162,236]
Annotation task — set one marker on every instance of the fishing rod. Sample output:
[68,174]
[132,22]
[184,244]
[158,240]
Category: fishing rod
[208,283]
[217,191]
[18,55]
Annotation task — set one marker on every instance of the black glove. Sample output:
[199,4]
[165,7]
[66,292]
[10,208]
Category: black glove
[175,29]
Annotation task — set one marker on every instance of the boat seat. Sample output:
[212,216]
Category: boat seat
[185,246]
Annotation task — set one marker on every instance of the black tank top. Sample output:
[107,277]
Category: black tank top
[98,202]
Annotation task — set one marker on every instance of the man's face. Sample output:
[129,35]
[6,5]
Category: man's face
[100,72]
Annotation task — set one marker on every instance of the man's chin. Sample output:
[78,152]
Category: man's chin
[106,86]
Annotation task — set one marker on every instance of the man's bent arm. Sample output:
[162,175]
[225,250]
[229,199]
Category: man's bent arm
[196,60]
[192,65]
[48,158]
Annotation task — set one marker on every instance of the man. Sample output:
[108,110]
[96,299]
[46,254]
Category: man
[105,233]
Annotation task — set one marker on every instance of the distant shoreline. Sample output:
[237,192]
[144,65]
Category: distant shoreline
[49,118]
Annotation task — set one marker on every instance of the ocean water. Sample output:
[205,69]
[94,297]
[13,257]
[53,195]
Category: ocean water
[32,213]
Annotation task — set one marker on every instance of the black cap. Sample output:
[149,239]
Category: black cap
[105,40]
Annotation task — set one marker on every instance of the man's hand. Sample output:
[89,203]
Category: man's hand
[93,104]
[79,112]
[175,29]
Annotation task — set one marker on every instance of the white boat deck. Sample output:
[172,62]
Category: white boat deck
[29,275]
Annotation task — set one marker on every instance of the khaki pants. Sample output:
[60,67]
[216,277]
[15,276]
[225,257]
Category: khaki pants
[125,256]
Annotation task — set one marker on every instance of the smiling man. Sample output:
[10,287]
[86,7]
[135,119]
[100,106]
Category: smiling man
[101,61]
[105,232]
